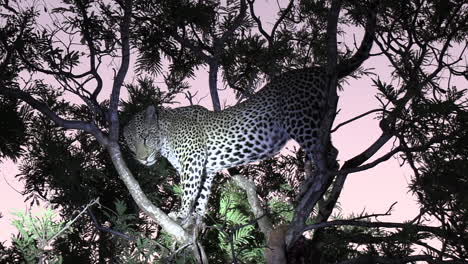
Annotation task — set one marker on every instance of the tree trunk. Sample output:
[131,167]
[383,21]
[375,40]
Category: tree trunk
[213,83]
[275,253]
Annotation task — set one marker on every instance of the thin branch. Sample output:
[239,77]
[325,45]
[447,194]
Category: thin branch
[387,213]
[106,229]
[270,37]
[389,154]
[259,22]
[442,253]
[420,228]
[68,225]
[197,49]
[174,254]
[284,13]
[356,118]
[234,26]
[92,52]
[13,188]
[199,253]
[44,109]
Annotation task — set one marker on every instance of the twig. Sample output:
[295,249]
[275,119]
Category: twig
[105,229]
[67,226]
[13,188]
[175,253]
[356,118]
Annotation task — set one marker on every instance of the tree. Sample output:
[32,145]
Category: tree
[423,115]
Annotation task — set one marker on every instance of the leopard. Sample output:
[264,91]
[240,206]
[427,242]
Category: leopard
[198,142]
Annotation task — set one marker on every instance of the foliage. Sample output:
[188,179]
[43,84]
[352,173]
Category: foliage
[237,236]
[440,180]
[12,129]
[37,233]
[135,248]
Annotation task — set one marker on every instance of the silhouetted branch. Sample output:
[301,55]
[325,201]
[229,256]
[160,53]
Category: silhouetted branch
[44,109]
[270,37]
[346,67]
[69,224]
[356,118]
[238,20]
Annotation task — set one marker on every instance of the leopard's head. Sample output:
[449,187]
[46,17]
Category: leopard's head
[141,136]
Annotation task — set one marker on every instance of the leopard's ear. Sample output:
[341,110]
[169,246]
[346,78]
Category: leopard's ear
[151,115]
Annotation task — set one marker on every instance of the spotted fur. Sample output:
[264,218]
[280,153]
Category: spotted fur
[199,142]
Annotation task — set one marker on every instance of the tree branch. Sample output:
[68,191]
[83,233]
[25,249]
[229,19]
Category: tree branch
[119,79]
[421,228]
[346,67]
[259,22]
[356,118]
[249,187]
[173,228]
[323,177]
[44,109]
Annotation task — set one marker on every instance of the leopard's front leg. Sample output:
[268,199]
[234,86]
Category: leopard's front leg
[191,183]
[203,197]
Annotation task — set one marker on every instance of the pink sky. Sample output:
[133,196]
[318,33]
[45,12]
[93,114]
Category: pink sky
[374,190]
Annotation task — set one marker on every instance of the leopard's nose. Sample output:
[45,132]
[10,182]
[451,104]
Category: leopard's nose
[147,162]
[150,162]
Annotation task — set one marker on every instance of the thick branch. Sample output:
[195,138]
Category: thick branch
[348,66]
[218,47]
[213,84]
[119,79]
[142,200]
[322,180]
[257,209]
[332,25]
